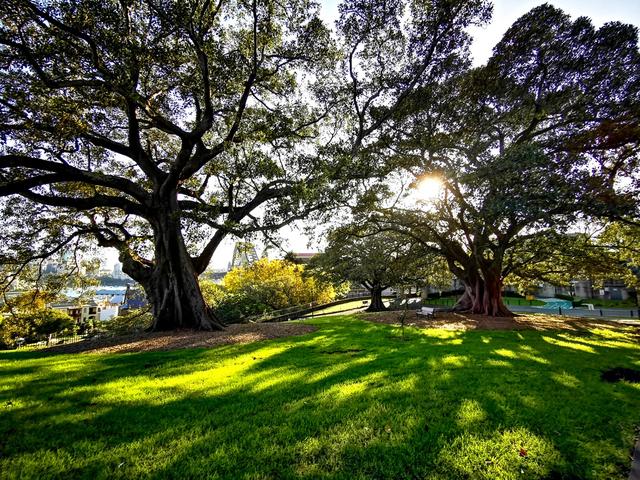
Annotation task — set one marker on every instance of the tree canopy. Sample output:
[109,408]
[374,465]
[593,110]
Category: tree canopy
[27,317]
[541,137]
[159,127]
[377,261]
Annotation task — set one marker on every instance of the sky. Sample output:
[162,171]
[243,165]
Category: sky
[505,12]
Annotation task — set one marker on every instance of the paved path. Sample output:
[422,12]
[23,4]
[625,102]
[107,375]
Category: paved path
[607,313]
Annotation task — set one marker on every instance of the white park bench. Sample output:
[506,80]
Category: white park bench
[427,312]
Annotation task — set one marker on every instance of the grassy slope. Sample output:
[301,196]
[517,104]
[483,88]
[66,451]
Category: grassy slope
[351,400]
[354,305]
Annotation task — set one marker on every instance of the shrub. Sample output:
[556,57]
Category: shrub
[35,326]
[512,294]
[236,307]
[133,321]
[265,286]
[212,293]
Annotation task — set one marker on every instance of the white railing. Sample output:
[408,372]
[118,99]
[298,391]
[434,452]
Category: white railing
[52,340]
[299,310]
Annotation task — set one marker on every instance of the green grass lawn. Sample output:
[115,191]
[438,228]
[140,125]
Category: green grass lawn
[351,400]
[450,301]
[596,302]
[354,305]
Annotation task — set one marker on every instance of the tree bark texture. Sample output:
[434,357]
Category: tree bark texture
[376,304]
[483,295]
[171,282]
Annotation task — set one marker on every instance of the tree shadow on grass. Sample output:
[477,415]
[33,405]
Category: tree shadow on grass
[351,400]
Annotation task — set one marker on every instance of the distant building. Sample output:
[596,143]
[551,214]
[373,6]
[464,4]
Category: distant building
[118,273]
[117,299]
[134,298]
[108,312]
[110,300]
[300,257]
[80,313]
[215,276]
[50,268]
[610,290]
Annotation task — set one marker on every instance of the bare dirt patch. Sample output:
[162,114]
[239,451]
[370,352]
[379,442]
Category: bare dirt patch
[163,341]
[464,321]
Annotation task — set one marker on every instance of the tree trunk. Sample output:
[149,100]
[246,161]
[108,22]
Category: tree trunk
[376,304]
[483,296]
[171,283]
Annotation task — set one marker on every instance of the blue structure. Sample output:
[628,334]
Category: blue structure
[134,299]
[554,304]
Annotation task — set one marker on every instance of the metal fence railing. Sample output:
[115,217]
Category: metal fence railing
[300,310]
[631,313]
[51,341]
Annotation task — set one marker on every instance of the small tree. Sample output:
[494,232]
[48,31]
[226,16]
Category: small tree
[375,261]
[35,325]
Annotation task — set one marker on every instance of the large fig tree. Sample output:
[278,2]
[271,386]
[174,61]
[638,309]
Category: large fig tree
[159,127]
[542,136]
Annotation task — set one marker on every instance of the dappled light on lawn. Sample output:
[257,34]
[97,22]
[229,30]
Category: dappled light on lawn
[352,399]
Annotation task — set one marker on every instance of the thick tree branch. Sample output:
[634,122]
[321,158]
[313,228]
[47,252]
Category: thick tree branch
[69,173]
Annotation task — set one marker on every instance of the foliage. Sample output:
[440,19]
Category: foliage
[72,272]
[624,240]
[126,123]
[213,293]
[348,401]
[267,285]
[382,260]
[113,282]
[511,294]
[28,301]
[160,128]
[523,146]
[132,321]
[235,308]
[560,259]
[35,325]
[379,261]
[278,284]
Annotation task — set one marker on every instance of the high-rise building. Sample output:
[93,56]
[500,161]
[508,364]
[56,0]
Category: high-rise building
[117,271]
